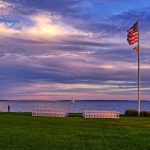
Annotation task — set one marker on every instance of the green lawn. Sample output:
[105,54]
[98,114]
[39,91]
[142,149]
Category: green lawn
[24,132]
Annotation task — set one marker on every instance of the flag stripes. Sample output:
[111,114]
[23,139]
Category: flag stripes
[133,34]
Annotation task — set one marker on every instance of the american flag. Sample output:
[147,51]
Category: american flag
[133,34]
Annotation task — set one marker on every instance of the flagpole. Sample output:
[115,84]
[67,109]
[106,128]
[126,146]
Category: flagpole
[139,103]
[132,38]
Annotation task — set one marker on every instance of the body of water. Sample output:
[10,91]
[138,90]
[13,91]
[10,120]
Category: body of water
[77,106]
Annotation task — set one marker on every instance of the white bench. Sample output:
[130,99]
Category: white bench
[3,107]
[100,114]
[46,112]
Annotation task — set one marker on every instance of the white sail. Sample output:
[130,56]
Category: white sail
[73,100]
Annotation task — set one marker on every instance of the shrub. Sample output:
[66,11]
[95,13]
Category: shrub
[75,115]
[145,114]
[131,112]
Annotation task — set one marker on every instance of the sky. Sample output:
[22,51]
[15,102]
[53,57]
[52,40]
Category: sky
[56,50]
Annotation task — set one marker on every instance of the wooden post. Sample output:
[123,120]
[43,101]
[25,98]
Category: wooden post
[8,108]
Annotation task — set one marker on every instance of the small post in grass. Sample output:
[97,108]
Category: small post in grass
[8,108]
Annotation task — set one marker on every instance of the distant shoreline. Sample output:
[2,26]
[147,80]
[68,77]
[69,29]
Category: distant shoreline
[65,100]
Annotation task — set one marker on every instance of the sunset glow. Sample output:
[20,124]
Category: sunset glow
[55,50]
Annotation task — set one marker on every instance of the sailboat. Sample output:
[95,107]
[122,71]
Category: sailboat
[73,100]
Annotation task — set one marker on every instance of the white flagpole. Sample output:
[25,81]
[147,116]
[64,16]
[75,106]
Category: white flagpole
[139,103]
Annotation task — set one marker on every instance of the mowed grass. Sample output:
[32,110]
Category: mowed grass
[20,131]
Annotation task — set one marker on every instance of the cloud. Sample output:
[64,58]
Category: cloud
[69,49]
[43,25]
[5,9]
[48,25]
[6,31]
